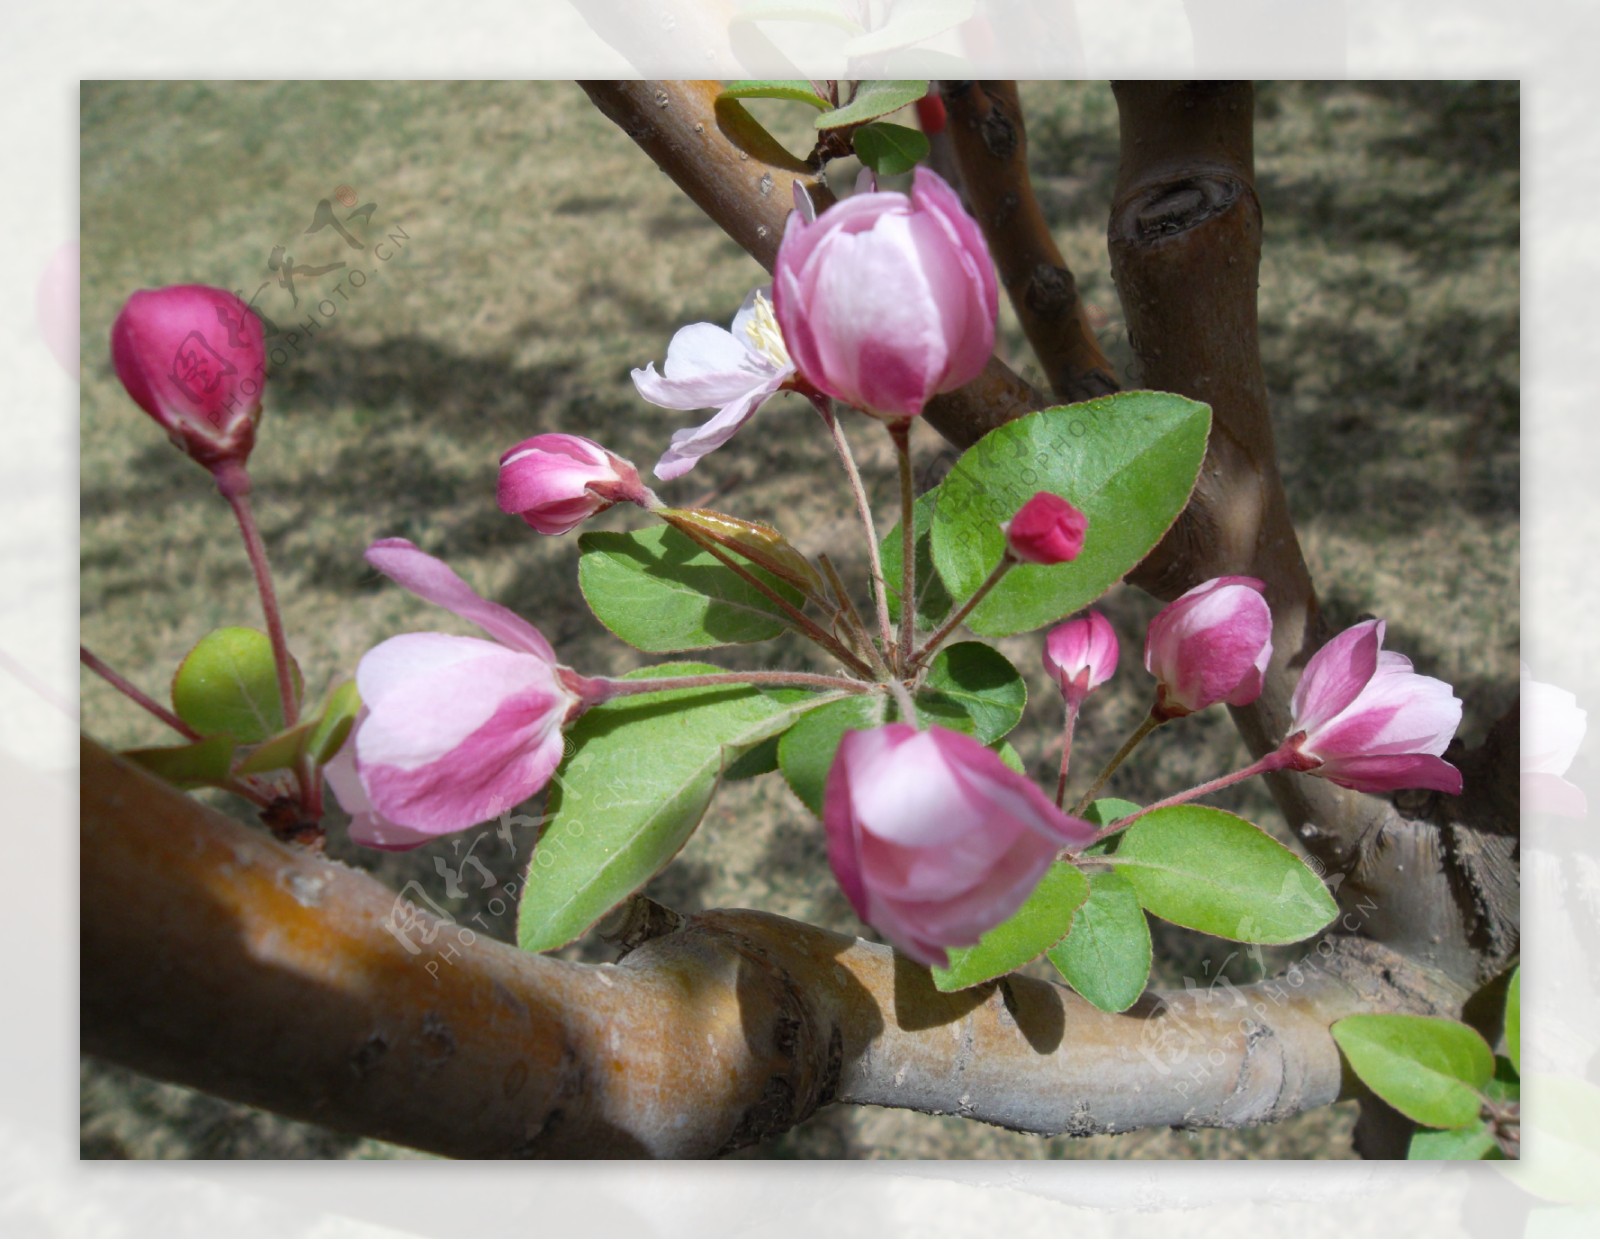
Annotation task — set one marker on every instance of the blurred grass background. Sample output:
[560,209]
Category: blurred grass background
[536,256]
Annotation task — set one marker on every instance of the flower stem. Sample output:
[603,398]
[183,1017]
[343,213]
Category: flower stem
[134,694]
[852,618]
[900,432]
[1150,724]
[239,501]
[597,689]
[1067,728]
[864,510]
[961,613]
[239,787]
[804,623]
[1277,760]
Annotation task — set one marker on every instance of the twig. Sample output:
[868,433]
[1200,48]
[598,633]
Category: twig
[991,146]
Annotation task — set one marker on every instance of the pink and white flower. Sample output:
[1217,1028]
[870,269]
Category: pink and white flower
[1046,530]
[557,482]
[886,301]
[1081,655]
[737,370]
[455,730]
[1210,645]
[934,840]
[1365,720]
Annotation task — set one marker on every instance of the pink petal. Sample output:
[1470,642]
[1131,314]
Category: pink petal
[1336,674]
[432,579]
[420,716]
[689,445]
[392,664]
[1387,773]
[419,770]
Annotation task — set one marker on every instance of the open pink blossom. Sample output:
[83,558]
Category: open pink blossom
[193,358]
[1081,655]
[1365,720]
[885,301]
[1046,530]
[934,840]
[1553,726]
[456,730]
[557,482]
[1210,645]
[707,366]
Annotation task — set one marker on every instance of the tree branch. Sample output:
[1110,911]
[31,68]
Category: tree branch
[991,146]
[1185,242]
[744,180]
[270,976]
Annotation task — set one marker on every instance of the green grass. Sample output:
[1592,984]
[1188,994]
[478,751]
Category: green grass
[545,257]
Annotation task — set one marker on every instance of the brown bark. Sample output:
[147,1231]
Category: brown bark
[991,145]
[1185,242]
[264,974]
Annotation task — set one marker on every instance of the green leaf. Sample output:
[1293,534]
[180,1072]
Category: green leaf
[805,754]
[1108,810]
[1106,956]
[761,760]
[1474,1141]
[752,540]
[318,738]
[973,687]
[1128,461]
[933,600]
[872,100]
[1214,872]
[1506,1084]
[1009,755]
[1514,1019]
[633,790]
[280,752]
[1026,935]
[228,686]
[659,592]
[775,88]
[199,764]
[1429,1069]
[338,717]
[889,149]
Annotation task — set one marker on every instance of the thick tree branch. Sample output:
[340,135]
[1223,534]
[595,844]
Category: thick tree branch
[214,956]
[734,171]
[1185,242]
[991,146]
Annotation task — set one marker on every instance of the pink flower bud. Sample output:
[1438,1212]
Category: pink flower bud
[1369,721]
[557,482]
[1081,655]
[193,358]
[454,730]
[1046,530]
[885,301]
[934,840]
[1210,645]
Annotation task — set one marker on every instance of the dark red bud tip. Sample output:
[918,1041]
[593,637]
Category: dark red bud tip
[931,114]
